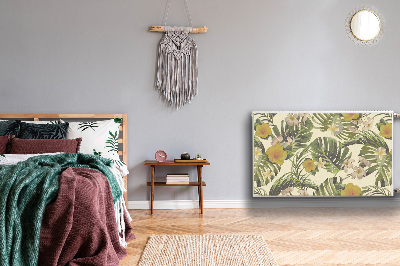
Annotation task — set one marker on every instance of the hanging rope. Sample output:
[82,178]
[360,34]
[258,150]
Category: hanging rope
[166,12]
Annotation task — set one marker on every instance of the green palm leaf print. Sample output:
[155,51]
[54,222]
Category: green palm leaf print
[261,166]
[85,125]
[112,142]
[331,151]
[330,187]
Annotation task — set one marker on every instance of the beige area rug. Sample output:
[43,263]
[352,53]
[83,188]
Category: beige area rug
[206,250]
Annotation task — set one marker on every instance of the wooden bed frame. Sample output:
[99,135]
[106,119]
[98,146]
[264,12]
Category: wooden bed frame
[123,138]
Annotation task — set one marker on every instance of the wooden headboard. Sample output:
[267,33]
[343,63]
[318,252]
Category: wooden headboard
[123,138]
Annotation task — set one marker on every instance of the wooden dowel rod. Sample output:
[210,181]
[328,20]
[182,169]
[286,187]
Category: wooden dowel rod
[191,30]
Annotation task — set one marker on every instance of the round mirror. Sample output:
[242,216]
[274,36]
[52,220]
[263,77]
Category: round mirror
[365,25]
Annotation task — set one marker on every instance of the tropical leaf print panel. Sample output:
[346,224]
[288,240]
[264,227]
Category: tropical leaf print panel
[337,154]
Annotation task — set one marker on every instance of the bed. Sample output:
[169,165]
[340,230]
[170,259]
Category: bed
[62,206]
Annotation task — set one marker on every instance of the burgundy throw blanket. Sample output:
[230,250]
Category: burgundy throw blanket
[79,227]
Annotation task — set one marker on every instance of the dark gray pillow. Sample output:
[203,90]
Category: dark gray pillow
[10,127]
[43,131]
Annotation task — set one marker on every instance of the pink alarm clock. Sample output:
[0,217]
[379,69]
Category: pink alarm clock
[161,156]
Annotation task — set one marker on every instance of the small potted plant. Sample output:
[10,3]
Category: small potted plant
[198,157]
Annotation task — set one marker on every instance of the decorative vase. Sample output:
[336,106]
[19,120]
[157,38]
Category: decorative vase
[185,156]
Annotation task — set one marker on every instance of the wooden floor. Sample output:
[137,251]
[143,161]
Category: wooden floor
[296,236]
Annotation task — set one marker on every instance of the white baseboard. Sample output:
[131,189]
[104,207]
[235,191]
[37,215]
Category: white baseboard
[266,203]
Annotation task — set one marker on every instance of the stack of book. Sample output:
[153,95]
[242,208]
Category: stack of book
[177,178]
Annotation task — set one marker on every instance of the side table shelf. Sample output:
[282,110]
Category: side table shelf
[164,184]
[199,184]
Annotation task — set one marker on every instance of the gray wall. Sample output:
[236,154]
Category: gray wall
[99,57]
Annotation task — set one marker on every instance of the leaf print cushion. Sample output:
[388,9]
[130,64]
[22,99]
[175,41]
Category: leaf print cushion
[43,131]
[10,127]
[98,137]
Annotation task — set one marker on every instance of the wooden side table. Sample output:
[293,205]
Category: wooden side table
[199,184]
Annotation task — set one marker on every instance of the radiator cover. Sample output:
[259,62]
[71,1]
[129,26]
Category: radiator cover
[328,154]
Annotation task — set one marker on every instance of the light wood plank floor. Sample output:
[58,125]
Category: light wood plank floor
[296,236]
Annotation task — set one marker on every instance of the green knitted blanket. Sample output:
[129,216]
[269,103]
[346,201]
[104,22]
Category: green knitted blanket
[25,190]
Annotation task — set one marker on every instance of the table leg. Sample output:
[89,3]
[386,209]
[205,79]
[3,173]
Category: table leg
[200,180]
[198,191]
[152,187]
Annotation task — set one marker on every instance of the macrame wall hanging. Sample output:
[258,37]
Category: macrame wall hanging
[176,77]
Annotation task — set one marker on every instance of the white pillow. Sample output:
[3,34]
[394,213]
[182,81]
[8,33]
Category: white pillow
[98,137]
[45,122]
[10,159]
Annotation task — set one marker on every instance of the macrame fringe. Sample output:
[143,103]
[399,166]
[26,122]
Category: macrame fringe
[177,68]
